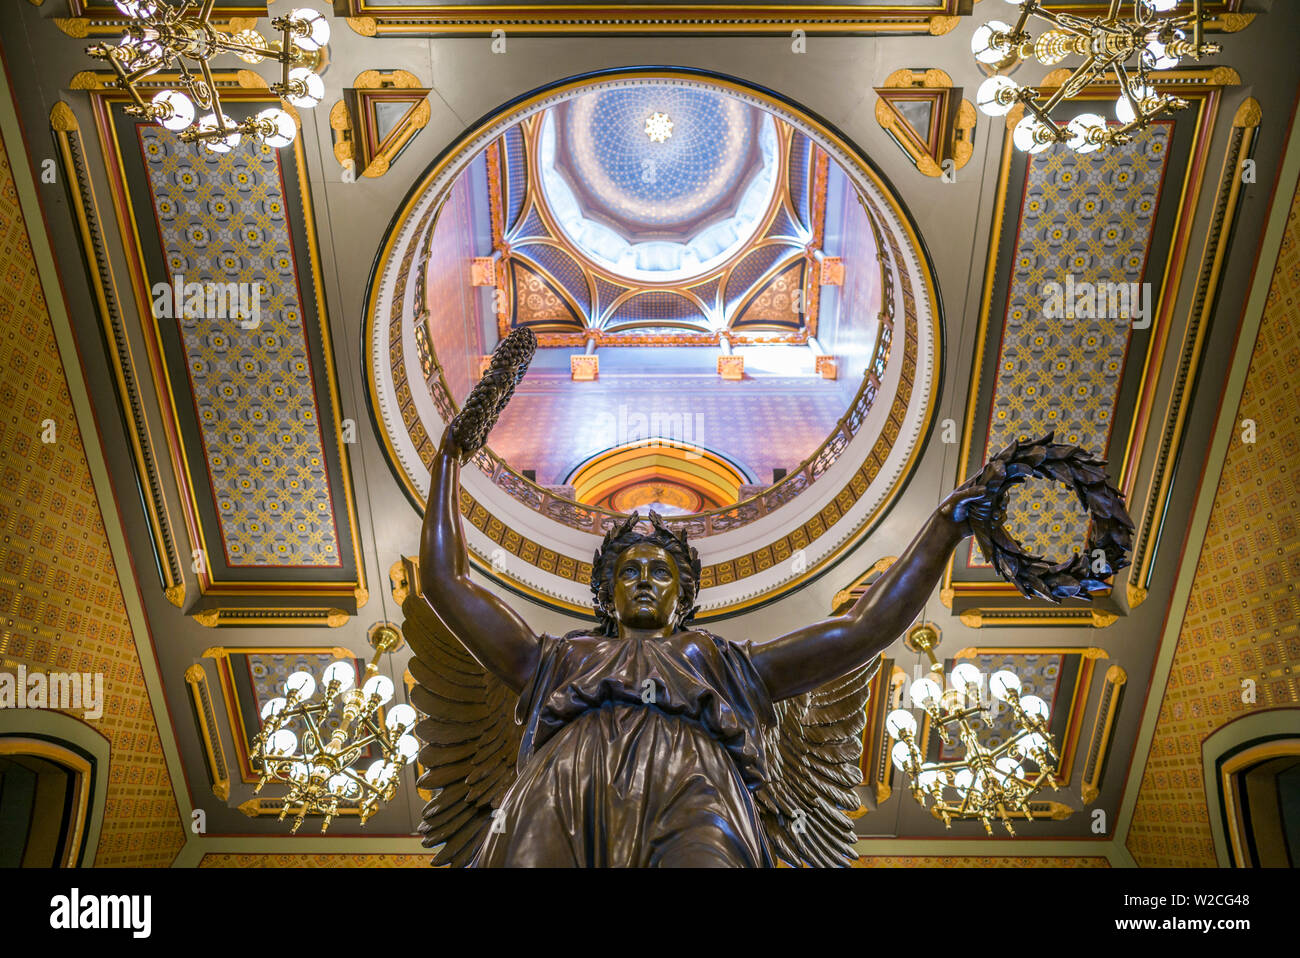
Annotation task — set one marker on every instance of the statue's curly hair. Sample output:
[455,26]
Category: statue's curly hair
[621,538]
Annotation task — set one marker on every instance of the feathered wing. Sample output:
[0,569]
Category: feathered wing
[471,741]
[814,751]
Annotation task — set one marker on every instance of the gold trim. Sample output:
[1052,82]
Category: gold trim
[236,86]
[205,714]
[270,616]
[1234,812]
[1102,727]
[1242,139]
[85,210]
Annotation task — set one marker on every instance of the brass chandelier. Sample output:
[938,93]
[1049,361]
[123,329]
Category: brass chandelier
[160,36]
[1155,35]
[317,764]
[988,783]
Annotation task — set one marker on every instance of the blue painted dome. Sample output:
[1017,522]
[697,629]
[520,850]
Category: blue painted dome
[665,207]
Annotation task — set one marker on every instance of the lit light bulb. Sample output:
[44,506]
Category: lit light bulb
[1157,55]
[338,785]
[982,45]
[300,682]
[1162,6]
[900,723]
[1083,138]
[283,131]
[902,755]
[380,772]
[1036,707]
[400,718]
[928,779]
[993,91]
[273,707]
[224,145]
[306,89]
[963,780]
[137,8]
[408,746]
[176,111]
[924,692]
[318,29]
[379,687]
[1032,743]
[299,772]
[1144,95]
[343,672]
[1002,683]
[1009,767]
[1031,135]
[966,678]
[283,742]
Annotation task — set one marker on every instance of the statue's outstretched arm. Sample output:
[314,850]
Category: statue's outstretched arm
[808,658]
[501,641]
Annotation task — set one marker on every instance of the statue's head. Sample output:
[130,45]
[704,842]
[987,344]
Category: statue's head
[646,580]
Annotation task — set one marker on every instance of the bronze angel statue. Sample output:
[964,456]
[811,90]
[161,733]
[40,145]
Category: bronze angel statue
[646,741]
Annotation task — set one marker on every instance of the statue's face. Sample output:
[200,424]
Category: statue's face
[645,587]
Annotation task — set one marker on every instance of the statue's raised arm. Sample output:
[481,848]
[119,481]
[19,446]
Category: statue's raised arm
[496,636]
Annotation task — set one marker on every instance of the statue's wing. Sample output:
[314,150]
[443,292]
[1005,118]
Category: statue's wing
[814,752]
[471,741]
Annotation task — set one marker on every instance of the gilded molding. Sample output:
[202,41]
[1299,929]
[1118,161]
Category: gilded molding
[268,616]
[196,678]
[1241,141]
[1102,727]
[85,209]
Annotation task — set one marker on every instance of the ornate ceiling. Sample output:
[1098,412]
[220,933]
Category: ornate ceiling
[255,489]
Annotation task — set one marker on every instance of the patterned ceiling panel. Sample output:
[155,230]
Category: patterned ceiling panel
[1083,218]
[538,302]
[750,270]
[800,176]
[563,268]
[775,306]
[515,174]
[254,427]
[657,307]
[1073,320]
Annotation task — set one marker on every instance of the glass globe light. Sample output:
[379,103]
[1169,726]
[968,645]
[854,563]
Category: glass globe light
[1026,135]
[963,780]
[1002,683]
[301,683]
[928,779]
[1035,707]
[987,96]
[1157,54]
[981,43]
[318,29]
[1080,130]
[902,756]
[924,691]
[400,718]
[1162,6]
[299,772]
[273,707]
[224,145]
[137,8]
[966,678]
[408,746]
[250,38]
[283,742]
[343,672]
[900,723]
[176,109]
[1008,766]
[313,88]
[1032,743]
[378,687]
[283,129]
[338,785]
[1124,110]
[380,772]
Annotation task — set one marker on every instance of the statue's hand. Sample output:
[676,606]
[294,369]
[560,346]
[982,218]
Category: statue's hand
[959,505]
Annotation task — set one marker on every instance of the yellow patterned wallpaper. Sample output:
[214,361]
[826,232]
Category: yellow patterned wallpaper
[977,861]
[1243,616]
[315,861]
[59,595]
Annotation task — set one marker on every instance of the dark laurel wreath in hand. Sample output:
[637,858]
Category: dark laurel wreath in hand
[1110,537]
[488,398]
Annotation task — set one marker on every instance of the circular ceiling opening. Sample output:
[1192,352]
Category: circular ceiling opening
[736,328]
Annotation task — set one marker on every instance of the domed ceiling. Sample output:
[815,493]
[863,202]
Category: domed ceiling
[657,183]
[763,288]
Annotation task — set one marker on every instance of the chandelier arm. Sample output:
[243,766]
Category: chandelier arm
[206,10]
[312,727]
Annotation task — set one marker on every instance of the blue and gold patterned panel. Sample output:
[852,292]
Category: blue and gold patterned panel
[1058,355]
[257,442]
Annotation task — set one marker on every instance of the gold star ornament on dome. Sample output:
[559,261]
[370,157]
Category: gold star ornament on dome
[658,127]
